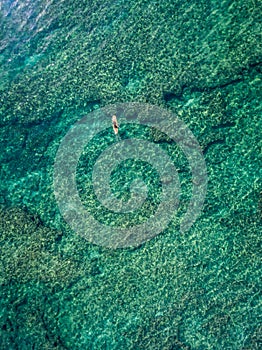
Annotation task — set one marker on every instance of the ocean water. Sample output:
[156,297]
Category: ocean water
[151,238]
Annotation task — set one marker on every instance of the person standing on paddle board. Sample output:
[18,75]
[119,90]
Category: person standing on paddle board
[115,124]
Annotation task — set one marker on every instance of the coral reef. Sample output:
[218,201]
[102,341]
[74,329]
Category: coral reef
[201,60]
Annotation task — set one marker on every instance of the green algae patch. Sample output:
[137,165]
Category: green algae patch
[30,252]
[32,269]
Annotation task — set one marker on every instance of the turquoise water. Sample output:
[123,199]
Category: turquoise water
[61,61]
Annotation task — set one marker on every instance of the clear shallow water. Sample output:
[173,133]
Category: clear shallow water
[60,61]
